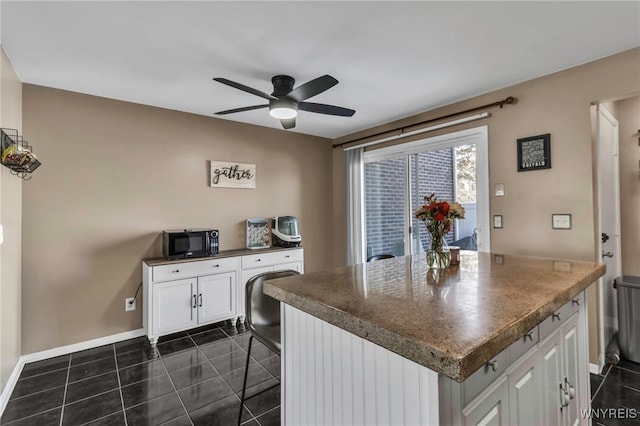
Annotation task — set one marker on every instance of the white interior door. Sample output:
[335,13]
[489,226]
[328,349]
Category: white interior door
[609,214]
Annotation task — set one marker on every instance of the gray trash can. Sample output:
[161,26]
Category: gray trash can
[628,288]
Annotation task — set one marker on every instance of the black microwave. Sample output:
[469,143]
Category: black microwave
[187,243]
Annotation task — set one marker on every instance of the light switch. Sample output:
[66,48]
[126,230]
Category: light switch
[497,221]
[499,190]
[561,221]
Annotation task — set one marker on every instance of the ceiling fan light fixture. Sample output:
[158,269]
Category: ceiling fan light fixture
[283,110]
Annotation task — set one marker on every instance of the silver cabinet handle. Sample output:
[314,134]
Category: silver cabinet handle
[287,256]
[175,271]
[575,302]
[493,364]
[194,302]
[258,260]
[216,266]
[564,398]
[556,316]
[200,297]
[572,390]
[529,335]
[607,254]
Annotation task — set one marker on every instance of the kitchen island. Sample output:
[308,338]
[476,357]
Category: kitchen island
[393,342]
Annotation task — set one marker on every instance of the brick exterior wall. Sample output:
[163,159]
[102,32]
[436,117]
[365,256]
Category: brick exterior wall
[384,207]
[384,198]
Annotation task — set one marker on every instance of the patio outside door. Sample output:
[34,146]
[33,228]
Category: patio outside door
[397,178]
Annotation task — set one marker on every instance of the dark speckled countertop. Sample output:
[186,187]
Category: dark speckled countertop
[451,321]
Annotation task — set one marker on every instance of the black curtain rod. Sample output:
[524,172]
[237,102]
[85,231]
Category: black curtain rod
[509,101]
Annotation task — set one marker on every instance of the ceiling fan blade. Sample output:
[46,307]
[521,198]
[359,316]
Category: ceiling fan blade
[249,108]
[326,109]
[312,88]
[245,88]
[288,123]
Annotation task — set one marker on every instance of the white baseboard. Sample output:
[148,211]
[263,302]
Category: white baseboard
[594,368]
[62,350]
[11,383]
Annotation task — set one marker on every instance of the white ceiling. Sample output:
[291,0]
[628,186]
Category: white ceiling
[393,59]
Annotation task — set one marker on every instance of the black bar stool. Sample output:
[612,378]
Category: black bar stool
[263,320]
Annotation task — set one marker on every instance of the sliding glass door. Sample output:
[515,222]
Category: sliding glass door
[454,167]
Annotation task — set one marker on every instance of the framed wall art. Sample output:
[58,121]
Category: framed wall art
[534,153]
[229,174]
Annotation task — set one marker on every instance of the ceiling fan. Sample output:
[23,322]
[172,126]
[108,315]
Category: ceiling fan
[285,101]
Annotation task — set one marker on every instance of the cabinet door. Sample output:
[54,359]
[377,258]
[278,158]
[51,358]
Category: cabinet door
[570,352]
[174,306]
[523,391]
[490,408]
[550,379]
[216,297]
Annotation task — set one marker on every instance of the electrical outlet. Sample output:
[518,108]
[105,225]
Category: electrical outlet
[129,304]
[561,221]
[497,221]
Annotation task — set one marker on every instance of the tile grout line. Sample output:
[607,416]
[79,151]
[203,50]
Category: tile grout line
[602,383]
[255,361]
[175,389]
[64,395]
[115,358]
[252,416]
[268,411]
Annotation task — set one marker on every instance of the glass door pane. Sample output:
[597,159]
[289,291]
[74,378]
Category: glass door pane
[384,199]
[450,174]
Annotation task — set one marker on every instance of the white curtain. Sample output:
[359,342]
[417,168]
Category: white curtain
[355,205]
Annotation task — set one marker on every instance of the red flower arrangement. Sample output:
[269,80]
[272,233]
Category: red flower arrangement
[438,217]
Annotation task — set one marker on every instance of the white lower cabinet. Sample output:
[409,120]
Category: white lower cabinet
[546,385]
[550,375]
[561,378]
[173,302]
[216,297]
[523,391]
[184,294]
[182,304]
[492,409]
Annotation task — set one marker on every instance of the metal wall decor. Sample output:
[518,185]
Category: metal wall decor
[534,153]
[17,154]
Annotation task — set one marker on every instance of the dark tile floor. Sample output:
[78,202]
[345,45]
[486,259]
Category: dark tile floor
[191,378]
[617,388]
[195,378]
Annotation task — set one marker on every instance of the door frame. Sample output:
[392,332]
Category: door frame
[603,113]
[478,136]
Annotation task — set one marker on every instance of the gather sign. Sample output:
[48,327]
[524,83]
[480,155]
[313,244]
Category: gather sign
[229,174]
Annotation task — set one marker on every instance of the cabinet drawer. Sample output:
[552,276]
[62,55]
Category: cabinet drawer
[478,381]
[561,315]
[522,345]
[273,258]
[192,269]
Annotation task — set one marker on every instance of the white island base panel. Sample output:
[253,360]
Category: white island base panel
[333,377]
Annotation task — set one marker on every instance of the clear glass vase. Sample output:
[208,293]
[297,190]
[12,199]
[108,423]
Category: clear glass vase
[438,256]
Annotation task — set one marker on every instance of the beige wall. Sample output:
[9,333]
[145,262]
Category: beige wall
[558,104]
[628,114]
[11,219]
[115,174]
